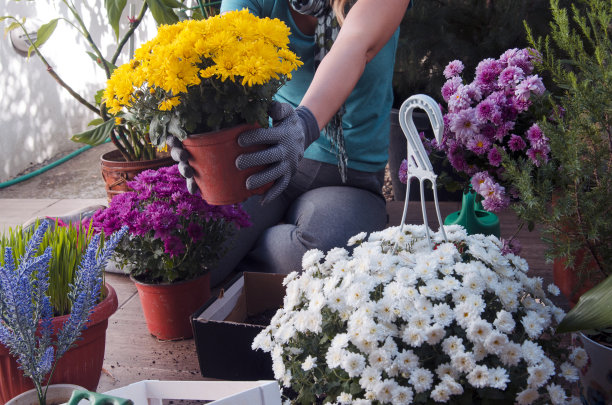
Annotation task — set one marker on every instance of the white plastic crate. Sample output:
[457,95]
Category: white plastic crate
[153,392]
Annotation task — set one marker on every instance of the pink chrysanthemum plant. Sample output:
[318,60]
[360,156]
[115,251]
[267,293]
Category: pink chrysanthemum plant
[491,119]
[172,235]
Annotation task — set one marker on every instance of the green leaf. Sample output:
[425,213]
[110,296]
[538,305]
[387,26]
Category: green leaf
[11,27]
[95,136]
[162,13]
[96,121]
[173,4]
[114,8]
[98,96]
[43,34]
[593,310]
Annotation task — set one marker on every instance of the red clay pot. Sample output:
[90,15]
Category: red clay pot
[81,365]
[116,171]
[168,307]
[213,158]
[567,280]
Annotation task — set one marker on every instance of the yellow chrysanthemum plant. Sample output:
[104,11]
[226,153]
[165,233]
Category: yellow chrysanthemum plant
[198,76]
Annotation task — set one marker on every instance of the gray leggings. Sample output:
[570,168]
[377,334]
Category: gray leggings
[316,211]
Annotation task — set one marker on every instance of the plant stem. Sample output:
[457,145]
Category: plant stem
[584,237]
[88,37]
[129,32]
[58,79]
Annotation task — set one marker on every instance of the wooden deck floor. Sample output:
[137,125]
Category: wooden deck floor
[132,354]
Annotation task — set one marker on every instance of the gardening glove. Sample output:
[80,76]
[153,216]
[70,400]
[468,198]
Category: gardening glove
[292,131]
[181,156]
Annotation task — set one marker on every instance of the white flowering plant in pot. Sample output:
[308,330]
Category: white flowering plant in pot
[395,322]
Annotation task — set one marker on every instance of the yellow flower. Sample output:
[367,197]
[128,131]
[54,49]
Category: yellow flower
[169,104]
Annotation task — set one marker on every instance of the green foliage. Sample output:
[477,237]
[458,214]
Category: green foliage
[570,196]
[68,244]
[435,33]
[593,310]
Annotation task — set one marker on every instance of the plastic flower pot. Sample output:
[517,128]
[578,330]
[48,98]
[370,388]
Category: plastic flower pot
[168,307]
[56,394]
[213,158]
[81,365]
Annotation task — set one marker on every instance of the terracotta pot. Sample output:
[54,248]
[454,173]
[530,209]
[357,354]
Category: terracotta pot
[116,171]
[168,307]
[213,158]
[567,279]
[56,394]
[81,365]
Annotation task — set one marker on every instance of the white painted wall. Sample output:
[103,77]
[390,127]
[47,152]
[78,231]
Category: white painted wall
[37,115]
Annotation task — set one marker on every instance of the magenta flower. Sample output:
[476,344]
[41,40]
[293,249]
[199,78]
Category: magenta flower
[454,68]
[174,246]
[494,157]
[464,124]
[516,143]
[479,144]
[486,74]
[510,76]
[403,172]
[532,84]
[450,87]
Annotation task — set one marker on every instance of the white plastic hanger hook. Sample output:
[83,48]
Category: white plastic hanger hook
[418,163]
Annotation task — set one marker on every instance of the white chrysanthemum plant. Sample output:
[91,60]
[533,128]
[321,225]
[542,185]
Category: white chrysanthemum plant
[395,322]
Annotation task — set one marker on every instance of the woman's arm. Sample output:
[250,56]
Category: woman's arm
[368,26]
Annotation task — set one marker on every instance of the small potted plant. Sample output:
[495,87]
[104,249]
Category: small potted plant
[29,328]
[592,318]
[174,238]
[398,322]
[204,82]
[569,197]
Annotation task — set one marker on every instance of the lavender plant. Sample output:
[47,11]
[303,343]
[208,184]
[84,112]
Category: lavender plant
[173,235]
[26,311]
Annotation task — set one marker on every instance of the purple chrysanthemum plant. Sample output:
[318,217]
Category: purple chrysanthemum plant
[173,235]
[26,311]
[491,118]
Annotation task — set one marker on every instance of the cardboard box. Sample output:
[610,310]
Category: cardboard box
[153,392]
[223,339]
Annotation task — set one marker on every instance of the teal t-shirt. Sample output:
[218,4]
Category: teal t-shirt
[366,121]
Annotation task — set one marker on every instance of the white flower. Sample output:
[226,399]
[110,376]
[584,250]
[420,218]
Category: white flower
[538,375]
[421,379]
[386,309]
[579,357]
[557,394]
[479,330]
[511,354]
[345,398]
[453,345]
[362,401]
[464,362]
[479,376]
[479,351]
[262,341]
[465,314]
[402,396]
[427,268]
[334,357]
[533,324]
[499,378]
[309,363]
[357,238]
[434,334]
[558,313]
[474,283]
[384,390]
[413,337]
[443,314]
[312,258]
[380,359]
[531,352]
[569,372]
[369,378]
[476,302]
[419,321]
[441,393]
[357,295]
[504,322]
[446,369]
[353,364]
[527,396]
[407,361]
[496,342]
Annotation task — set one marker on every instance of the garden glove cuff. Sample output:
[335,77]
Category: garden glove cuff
[181,156]
[292,131]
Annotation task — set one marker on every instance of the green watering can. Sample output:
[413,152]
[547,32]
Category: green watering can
[95,398]
[473,217]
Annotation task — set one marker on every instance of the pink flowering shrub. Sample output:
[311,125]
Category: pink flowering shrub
[488,119]
[172,235]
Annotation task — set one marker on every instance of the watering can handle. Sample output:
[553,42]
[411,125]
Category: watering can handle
[97,399]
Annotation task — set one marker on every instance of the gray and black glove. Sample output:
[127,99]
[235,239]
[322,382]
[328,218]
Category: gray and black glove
[292,131]
[181,156]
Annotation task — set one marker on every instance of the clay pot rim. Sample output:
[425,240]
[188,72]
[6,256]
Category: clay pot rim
[166,285]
